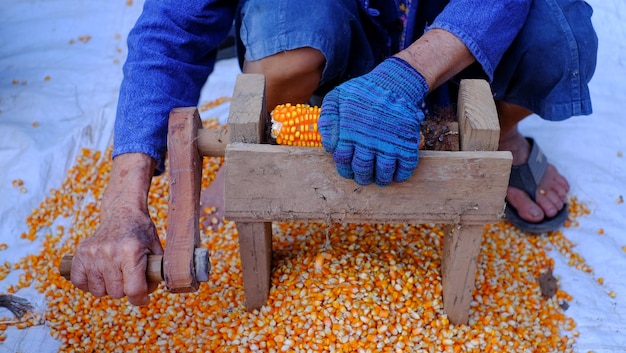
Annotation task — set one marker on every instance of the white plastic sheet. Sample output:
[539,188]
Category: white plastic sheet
[60,70]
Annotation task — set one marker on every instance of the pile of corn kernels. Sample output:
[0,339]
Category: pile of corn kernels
[335,288]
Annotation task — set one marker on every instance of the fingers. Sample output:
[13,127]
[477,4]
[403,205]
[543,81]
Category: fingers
[113,283]
[359,152]
[343,159]
[96,285]
[115,276]
[78,276]
[385,170]
[113,260]
[85,275]
[135,285]
[363,165]
[405,168]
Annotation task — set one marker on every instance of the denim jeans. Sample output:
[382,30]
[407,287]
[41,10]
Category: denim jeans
[334,27]
[545,69]
[549,65]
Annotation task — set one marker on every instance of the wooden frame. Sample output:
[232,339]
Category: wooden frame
[463,189]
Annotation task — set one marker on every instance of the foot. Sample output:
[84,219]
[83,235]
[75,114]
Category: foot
[552,190]
[213,198]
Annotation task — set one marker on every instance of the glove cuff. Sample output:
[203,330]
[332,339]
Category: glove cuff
[412,85]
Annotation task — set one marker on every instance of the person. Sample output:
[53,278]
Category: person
[380,66]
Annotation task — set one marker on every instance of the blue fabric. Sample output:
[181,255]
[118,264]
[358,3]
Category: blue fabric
[268,27]
[173,45]
[549,65]
[171,52]
[487,28]
[371,124]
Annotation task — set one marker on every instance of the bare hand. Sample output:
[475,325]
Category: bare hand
[113,260]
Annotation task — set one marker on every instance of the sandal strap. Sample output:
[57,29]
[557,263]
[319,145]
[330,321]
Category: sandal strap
[528,175]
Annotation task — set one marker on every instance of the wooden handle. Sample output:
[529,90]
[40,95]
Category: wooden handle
[154,269]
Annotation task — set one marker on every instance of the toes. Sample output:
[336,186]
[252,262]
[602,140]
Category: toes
[526,208]
[550,203]
[552,192]
[557,182]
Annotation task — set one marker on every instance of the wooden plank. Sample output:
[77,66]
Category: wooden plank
[185,170]
[478,118]
[266,183]
[248,116]
[212,142]
[246,124]
[255,248]
[461,247]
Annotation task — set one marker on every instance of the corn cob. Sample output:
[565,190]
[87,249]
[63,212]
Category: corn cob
[296,125]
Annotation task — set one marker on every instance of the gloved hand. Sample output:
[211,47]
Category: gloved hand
[371,124]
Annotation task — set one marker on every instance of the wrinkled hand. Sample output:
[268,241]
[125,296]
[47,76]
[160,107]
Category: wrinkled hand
[371,124]
[113,260]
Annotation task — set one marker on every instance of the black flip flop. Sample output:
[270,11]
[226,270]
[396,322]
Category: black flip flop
[526,177]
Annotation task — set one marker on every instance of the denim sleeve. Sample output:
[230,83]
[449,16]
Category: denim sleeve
[171,51]
[487,28]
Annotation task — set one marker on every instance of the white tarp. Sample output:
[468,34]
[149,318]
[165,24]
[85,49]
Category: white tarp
[60,70]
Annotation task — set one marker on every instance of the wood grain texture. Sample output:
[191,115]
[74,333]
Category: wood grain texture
[185,170]
[265,183]
[212,142]
[461,246]
[246,124]
[153,267]
[255,248]
[247,117]
[478,119]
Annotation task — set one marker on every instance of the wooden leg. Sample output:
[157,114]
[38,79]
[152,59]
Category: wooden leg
[461,247]
[255,248]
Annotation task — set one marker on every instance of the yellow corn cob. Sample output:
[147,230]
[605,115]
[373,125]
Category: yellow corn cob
[296,125]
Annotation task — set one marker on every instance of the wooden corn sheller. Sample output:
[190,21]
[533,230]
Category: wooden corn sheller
[264,183]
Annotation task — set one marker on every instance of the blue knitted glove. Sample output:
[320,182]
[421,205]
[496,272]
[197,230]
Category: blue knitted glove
[371,124]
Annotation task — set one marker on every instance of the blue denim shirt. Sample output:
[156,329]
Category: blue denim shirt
[487,28]
[171,52]
[173,46]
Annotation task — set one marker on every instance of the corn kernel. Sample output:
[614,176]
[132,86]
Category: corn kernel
[292,125]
